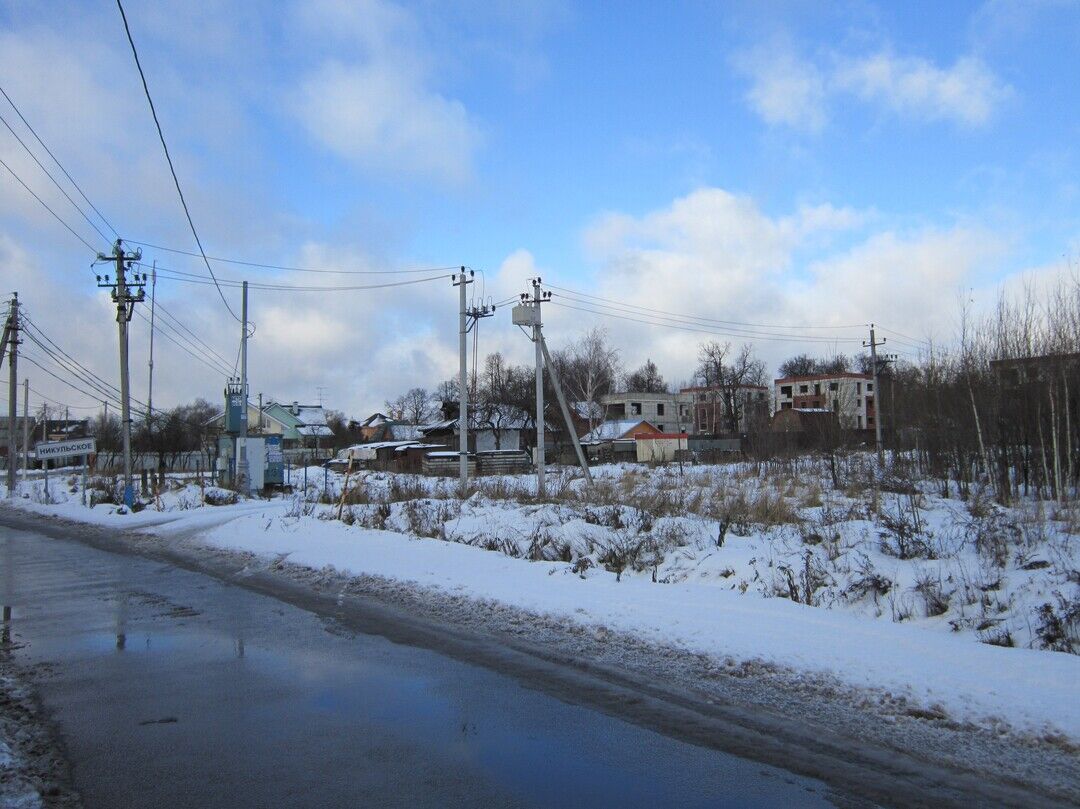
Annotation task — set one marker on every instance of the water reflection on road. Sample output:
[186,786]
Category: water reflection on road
[173,689]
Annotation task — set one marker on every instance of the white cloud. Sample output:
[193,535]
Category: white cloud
[380,116]
[789,90]
[716,255]
[784,88]
[374,105]
[967,93]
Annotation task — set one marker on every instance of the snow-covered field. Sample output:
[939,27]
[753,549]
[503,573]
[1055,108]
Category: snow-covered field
[962,607]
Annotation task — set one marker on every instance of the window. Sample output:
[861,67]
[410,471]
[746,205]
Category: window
[869,387]
[859,421]
[804,388]
[836,405]
[785,406]
[858,387]
[817,403]
[659,408]
[834,386]
[660,427]
[635,408]
[683,410]
[858,402]
[785,390]
[869,421]
[817,389]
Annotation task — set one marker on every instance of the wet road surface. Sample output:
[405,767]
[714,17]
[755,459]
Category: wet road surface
[172,688]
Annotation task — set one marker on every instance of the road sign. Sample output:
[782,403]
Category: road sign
[65,449]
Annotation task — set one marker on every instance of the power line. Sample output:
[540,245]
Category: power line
[648,310]
[67,196]
[904,336]
[288,268]
[56,216]
[168,158]
[174,322]
[71,385]
[65,404]
[701,324]
[192,278]
[174,338]
[58,163]
[692,328]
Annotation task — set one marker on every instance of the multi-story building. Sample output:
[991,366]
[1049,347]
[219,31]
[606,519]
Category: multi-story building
[850,396]
[670,412]
[722,410]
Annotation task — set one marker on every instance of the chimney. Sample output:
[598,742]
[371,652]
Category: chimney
[296,408]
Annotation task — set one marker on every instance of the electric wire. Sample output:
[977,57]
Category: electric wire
[34,334]
[648,310]
[174,321]
[48,174]
[168,158]
[288,268]
[175,340]
[60,379]
[689,322]
[45,205]
[692,328]
[192,278]
[65,404]
[58,163]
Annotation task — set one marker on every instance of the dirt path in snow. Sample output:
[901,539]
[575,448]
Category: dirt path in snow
[868,745]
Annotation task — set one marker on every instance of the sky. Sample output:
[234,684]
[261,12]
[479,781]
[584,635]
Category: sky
[805,167]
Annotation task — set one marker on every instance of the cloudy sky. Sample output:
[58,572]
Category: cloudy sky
[790,165]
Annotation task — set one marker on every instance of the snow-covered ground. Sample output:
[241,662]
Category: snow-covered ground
[879,583]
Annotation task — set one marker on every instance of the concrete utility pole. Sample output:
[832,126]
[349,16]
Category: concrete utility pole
[242,472]
[461,281]
[150,386]
[125,300]
[527,313]
[872,345]
[540,460]
[11,340]
[25,429]
[468,317]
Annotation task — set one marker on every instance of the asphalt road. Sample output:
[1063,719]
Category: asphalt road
[169,687]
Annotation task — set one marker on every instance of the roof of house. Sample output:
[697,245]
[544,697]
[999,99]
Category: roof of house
[405,432]
[655,436]
[615,429]
[375,420]
[502,417]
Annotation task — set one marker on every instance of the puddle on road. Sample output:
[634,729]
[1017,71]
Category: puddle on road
[173,689]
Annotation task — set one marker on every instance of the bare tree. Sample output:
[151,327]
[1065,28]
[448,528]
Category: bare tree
[415,406]
[728,379]
[645,379]
[589,368]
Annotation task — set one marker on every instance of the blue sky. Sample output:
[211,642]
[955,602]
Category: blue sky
[779,163]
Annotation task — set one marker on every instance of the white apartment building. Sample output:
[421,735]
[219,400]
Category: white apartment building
[670,412]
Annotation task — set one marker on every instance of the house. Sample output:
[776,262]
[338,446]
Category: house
[491,427]
[380,427]
[616,440]
[667,411]
[659,447]
[717,409]
[850,396]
